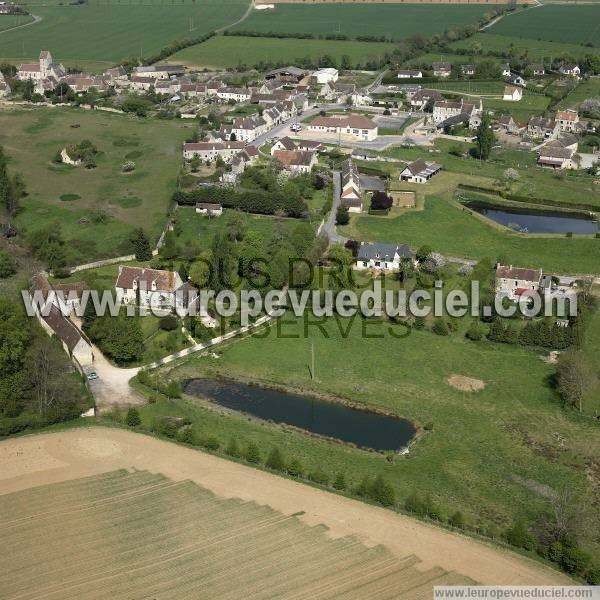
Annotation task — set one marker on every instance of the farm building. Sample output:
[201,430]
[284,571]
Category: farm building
[349,127]
[385,257]
[420,171]
[541,126]
[514,281]
[410,74]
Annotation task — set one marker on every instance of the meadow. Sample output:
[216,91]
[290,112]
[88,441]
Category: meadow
[440,220]
[395,21]
[486,454]
[589,88]
[537,50]
[97,34]
[553,23]
[232,51]
[9,21]
[97,208]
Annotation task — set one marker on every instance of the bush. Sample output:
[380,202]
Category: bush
[233,448]
[419,323]
[295,468]
[519,536]
[168,323]
[474,332]
[440,327]
[339,483]
[8,266]
[211,443]
[342,216]
[382,492]
[319,476]
[133,418]
[128,166]
[457,520]
[275,460]
[252,454]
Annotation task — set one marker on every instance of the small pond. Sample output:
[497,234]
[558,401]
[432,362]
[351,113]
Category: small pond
[331,419]
[536,221]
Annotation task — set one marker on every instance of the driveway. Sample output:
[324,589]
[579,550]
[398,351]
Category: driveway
[329,225]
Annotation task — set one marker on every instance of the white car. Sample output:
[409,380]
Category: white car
[92,375]
[296,127]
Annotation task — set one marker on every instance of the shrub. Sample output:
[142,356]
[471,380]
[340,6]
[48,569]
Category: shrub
[128,166]
[339,483]
[382,492]
[8,266]
[342,216]
[168,323]
[275,460]
[457,520]
[211,443]
[440,327]
[233,448]
[252,454]
[133,418]
[474,332]
[419,323]
[319,476]
[520,536]
[186,435]
[295,468]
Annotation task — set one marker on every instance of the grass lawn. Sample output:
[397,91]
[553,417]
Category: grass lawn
[486,454]
[448,229]
[537,50]
[157,342]
[395,21]
[556,23]
[530,105]
[75,195]
[591,348]
[100,32]
[584,90]
[232,51]
[9,21]
[485,88]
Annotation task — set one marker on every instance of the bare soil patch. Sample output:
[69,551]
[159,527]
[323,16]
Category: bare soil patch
[465,384]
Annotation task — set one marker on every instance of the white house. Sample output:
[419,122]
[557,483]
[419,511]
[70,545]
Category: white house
[505,69]
[537,69]
[233,93]
[209,209]
[385,257]
[512,93]
[420,98]
[326,75]
[209,151]
[420,171]
[441,69]
[445,109]
[148,287]
[351,194]
[571,70]
[515,281]
[348,127]
[410,74]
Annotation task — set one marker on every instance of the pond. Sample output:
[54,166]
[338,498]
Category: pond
[331,419]
[536,221]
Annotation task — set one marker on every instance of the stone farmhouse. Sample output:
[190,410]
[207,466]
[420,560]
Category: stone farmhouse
[209,151]
[516,281]
[441,69]
[351,195]
[541,127]
[420,171]
[537,69]
[559,153]
[347,127]
[236,94]
[512,93]
[567,121]
[445,109]
[422,98]
[296,162]
[384,257]
[159,71]
[287,143]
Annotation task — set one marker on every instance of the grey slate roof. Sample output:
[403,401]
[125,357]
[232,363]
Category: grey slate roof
[385,252]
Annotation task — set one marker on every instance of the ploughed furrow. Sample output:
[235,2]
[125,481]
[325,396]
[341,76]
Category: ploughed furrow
[127,535]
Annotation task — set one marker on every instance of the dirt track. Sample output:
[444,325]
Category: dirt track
[49,458]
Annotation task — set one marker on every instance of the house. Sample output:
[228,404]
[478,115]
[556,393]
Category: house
[570,69]
[54,320]
[420,171]
[44,69]
[141,84]
[245,129]
[441,69]
[422,98]
[385,257]
[326,75]
[410,74]
[209,209]
[516,80]
[286,74]
[115,74]
[232,93]
[468,70]
[309,146]
[150,288]
[541,127]
[516,281]
[512,93]
[296,162]
[351,194]
[4,87]
[567,120]
[505,69]
[209,151]
[213,86]
[555,156]
[285,143]
[81,84]
[444,109]
[537,69]
[348,127]
[507,123]
[159,71]
[193,90]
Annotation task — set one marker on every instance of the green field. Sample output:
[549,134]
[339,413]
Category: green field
[177,539]
[485,88]
[530,105]
[480,448]
[537,50]
[98,33]
[9,21]
[128,200]
[589,88]
[556,23]
[231,51]
[439,223]
[394,21]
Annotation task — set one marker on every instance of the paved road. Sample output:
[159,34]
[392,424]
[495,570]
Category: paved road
[329,225]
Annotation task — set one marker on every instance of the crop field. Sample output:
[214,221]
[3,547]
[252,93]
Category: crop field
[537,50]
[120,533]
[231,51]
[100,33]
[394,21]
[9,21]
[554,23]
[76,196]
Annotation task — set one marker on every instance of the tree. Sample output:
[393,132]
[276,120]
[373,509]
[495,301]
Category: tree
[382,492]
[520,536]
[275,460]
[168,323]
[8,265]
[195,163]
[574,378]
[133,418]
[485,137]
[141,245]
[423,253]
[381,201]
[252,454]
[457,520]
[342,216]
[339,483]
[236,225]
[295,468]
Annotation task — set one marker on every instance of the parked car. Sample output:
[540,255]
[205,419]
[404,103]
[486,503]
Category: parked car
[92,375]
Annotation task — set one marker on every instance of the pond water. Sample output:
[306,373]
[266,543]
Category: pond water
[331,419]
[534,221]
